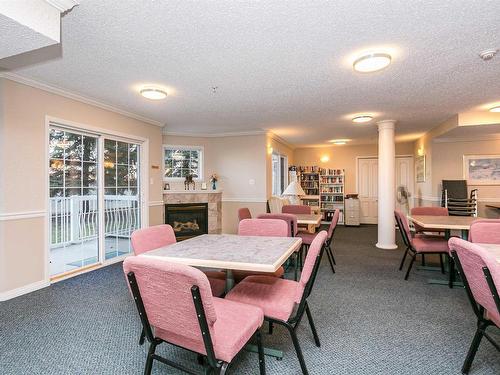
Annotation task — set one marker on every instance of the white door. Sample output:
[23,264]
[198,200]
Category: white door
[368,185]
[368,190]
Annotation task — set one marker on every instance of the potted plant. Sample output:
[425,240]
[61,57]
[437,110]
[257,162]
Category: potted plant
[213,180]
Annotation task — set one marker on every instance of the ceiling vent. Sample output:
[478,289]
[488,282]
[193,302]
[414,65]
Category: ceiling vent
[488,54]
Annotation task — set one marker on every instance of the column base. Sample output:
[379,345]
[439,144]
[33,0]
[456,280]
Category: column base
[386,247]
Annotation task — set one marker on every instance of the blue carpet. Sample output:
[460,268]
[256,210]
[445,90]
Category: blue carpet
[370,321]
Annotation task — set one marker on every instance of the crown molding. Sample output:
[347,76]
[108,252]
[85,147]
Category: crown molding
[83,99]
[62,5]
[489,137]
[214,135]
[278,139]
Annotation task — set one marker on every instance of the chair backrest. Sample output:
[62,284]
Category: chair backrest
[165,291]
[404,227]
[151,238]
[289,218]
[472,262]
[244,213]
[430,211]
[296,209]
[485,231]
[260,227]
[311,263]
[333,223]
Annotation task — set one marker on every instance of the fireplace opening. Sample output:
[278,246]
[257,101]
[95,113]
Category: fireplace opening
[187,219]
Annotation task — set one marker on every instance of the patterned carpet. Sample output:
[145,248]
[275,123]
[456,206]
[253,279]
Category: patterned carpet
[370,321]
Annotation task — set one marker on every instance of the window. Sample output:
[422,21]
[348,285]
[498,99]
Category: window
[182,161]
[280,175]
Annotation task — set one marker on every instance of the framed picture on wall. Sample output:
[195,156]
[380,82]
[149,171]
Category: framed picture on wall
[420,168]
[482,169]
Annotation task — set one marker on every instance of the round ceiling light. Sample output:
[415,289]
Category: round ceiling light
[153,93]
[495,109]
[362,118]
[372,62]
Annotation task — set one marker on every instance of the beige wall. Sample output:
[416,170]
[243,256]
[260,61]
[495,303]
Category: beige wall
[23,171]
[236,160]
[344,157]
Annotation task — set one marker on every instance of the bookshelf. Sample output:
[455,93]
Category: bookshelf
[324,189]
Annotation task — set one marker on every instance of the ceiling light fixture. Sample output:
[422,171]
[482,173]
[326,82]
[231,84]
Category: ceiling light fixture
[372,62]
[495,109]
[153,93]
[362,118]
[339,141]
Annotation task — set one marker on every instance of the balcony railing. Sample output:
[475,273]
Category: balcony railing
[75,219]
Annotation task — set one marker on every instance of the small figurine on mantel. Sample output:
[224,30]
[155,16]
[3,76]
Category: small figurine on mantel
[188,181]
[213,180]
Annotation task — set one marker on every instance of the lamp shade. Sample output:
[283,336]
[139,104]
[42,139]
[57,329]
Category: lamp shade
[294,189]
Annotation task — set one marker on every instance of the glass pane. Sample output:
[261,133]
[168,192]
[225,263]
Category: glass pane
[109,151]
[56,138]
[89,149]
[133,155]
[109,175]
[176,172]
[72,192]
[194,155]
[132,175]
[122,153]
[56,172]
[89,174]
[73,174]
[168,154]
[56,193]
[122,178]
[74,147]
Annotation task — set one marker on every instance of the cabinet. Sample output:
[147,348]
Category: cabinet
[351,216]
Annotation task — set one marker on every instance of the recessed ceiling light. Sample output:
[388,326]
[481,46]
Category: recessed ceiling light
[153,93]
[339,141]
[495,109]
[362,118]
[372,62]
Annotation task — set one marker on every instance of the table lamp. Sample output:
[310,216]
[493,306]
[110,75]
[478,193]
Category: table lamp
[293,191]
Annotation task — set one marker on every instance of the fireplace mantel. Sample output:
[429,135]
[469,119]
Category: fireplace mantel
[212,197]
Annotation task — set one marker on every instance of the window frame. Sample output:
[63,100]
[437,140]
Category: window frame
[201,151]
[282,164]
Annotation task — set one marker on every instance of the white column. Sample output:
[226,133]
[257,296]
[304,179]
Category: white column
[386,185]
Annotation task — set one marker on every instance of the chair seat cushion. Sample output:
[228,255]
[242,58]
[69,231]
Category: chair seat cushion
[430,244]
[218,286]
[494,316]
[307,238]
[240,275]
[235,325]
[276,297]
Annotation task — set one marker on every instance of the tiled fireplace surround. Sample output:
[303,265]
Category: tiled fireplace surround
[213,198]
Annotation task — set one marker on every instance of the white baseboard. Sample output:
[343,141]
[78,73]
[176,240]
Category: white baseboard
[24,290]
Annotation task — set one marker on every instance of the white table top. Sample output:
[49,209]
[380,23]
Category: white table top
[229,251]
[308,219]
[443,222]
[492,248]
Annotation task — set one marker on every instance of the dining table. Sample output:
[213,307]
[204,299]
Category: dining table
[312,221]
[231,252]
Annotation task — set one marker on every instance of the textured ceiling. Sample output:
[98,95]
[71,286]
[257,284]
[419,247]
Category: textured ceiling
[277,65]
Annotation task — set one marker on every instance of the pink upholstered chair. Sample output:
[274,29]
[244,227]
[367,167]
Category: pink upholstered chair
[307,238]
[151,238]
[244,213]
[481,277]
[264,228]
[485,231]
[296,209]
[419,245]
[289,218]
[279,298]
[176,306]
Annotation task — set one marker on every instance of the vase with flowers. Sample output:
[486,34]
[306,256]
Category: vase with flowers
[213,180]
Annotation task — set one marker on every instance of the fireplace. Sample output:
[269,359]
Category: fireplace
[187,219]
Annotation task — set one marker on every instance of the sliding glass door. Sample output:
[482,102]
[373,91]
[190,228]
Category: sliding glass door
[73,200]
[94,198]
[122,213]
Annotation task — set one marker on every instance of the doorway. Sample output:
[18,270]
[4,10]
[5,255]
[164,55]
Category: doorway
[94,198]
[367,185]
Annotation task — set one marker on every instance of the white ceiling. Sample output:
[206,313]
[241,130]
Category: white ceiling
[278,65]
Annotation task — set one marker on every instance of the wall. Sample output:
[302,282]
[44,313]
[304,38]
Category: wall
[23,173]
[344,157]
[236,160]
